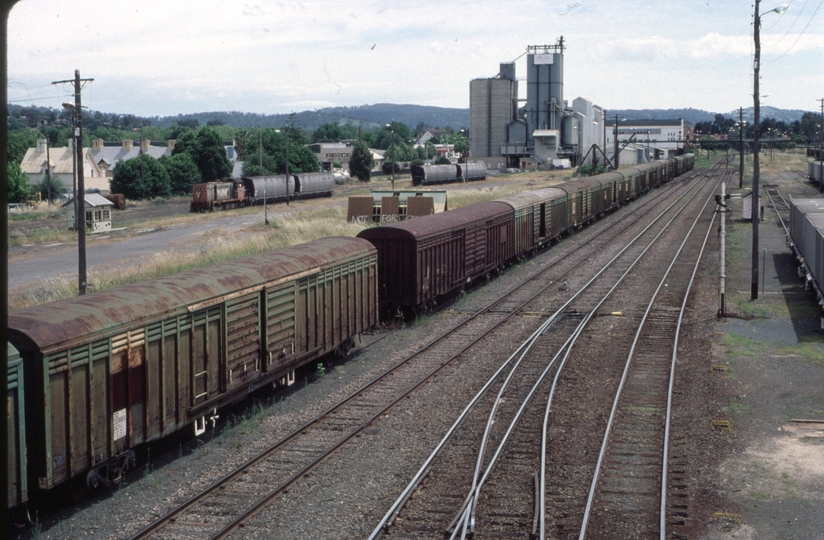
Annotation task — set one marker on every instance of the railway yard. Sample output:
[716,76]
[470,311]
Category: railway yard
[549,402]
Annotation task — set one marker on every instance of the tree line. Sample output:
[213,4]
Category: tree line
[199,153]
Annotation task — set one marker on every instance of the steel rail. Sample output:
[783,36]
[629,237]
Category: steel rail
[671,387]
[466,515]
[610,422]
[151,528]
[395,507]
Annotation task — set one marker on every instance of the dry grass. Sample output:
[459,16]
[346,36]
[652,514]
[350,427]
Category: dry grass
[220,246]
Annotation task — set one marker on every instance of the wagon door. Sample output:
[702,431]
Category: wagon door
[475,250]
[128,388]
[242,340]
[206,346]
[280,324]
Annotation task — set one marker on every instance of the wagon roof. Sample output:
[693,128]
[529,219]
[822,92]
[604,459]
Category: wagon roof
[71,321]
[459,218]
[529,198]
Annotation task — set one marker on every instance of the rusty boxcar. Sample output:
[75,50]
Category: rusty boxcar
[113,369]
[16,430]
[427,257]
[539,216]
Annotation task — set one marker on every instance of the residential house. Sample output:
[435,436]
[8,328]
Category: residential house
[37,160]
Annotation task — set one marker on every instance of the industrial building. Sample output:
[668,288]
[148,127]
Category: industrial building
[542,129]
[641,141]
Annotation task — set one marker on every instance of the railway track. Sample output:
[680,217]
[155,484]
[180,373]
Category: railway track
[228,503]
[508,506]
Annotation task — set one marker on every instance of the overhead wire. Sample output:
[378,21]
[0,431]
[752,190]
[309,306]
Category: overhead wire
[799,35]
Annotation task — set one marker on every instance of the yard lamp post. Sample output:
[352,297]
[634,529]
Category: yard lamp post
[756,213]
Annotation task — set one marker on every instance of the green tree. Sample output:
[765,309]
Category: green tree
[327,133]
[136,182]
[209,154]
[301,159]
[442,160]
[18,188]
[361,162]
[809,126]
[18,143]
[52,183]
[183,173]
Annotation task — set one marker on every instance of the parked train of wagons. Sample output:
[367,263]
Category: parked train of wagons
[423,259]
[445,174]
[807,242]
[816,173]
[93,377]
[257,189]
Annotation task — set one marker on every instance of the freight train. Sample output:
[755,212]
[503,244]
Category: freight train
[93,377]
[445,174]
[807,243]
[248,191]
[816,173]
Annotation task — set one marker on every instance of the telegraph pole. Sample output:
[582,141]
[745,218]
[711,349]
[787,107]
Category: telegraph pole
[741,146]
[821,150]
[616,142]
[756,204]
[80,194]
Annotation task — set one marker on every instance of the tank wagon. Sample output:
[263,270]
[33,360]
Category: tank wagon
[111,370]
[445,174]
[271,188]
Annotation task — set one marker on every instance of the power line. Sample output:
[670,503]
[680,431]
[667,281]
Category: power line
[799,35]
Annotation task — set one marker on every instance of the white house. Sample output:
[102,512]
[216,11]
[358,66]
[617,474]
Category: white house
[36,162]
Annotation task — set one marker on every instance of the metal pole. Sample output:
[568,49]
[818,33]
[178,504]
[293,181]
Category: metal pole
[821,151]
[81,188]
[756,205]
[48,170]
[741,146]
[616,142]
[722,312]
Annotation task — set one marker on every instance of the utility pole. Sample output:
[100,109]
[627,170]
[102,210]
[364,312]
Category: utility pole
[80,193]
[616,143]
[756,203]
[821,150]
[48,169]
[741,147]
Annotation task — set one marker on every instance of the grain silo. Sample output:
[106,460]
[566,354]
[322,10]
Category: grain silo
[492,106]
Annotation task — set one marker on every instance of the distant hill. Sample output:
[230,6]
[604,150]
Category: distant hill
[697,115]
[365,116]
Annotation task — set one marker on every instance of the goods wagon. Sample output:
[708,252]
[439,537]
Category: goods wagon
[424,258]
[108,371]
[211,195]
[316,184]
[16,430]
[278,187]
[816,172]
[807,241]
[472,171]
[434,174]
[538,217]
[799,209]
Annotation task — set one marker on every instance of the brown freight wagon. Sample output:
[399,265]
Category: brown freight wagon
[427,257]
[539,216]
[111,370]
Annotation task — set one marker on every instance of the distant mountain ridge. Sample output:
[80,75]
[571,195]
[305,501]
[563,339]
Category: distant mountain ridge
[373,116]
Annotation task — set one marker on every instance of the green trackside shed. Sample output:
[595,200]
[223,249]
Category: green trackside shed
[114,369]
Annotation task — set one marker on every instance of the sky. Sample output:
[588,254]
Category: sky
[169,57]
